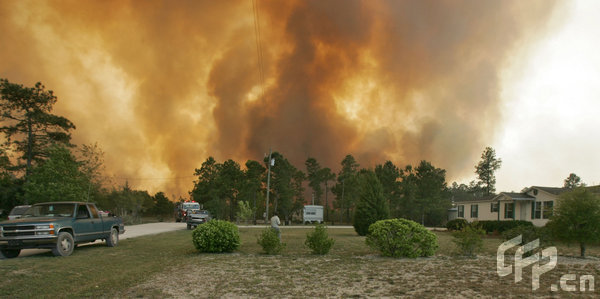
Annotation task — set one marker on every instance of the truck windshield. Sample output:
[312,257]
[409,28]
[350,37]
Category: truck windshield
[51,210]
[191,206]
[19,210]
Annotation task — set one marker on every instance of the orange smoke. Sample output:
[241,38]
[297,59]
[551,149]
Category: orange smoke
[161,85]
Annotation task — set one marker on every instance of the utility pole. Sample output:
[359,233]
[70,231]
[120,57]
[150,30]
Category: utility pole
[342,205]
[326,203]
[268,186]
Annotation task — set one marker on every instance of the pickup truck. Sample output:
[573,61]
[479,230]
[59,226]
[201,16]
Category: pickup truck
[197,217]
[58,226]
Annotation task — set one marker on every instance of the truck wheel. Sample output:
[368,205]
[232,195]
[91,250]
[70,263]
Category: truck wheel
[10,253]
[64,244]
[113,238]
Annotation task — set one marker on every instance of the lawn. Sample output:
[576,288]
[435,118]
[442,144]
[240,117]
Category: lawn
[167,265]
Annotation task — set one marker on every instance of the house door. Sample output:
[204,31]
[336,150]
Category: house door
[523,210]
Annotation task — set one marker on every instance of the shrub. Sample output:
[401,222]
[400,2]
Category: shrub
[401,238]
[318,240]
[456,224]
[468,240]
[529,234]
[216,236]
[270,241]
[577,218]
[491,226]
[372,205]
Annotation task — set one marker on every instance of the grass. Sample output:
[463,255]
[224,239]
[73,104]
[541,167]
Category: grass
[167,265]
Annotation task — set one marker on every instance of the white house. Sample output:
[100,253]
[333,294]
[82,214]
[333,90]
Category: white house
[535,204]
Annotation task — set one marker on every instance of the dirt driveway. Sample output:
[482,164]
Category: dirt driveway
[131,231]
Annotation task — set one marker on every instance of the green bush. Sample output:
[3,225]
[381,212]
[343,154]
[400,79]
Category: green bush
[269,241]
[456,224]
[318,240]
[492,226]
[468,240]
[216,236]
[401,238]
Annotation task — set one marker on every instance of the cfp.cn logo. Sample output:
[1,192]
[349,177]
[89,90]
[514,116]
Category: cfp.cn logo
[568,282]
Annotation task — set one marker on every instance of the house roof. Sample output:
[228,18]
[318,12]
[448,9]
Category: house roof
[517,196]
[521,195]
[559,191]
[475,199]
[551,190]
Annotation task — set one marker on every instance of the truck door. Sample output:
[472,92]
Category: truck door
[87,228]
[98,222]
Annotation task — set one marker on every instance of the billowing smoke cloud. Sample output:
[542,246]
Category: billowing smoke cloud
[161,85]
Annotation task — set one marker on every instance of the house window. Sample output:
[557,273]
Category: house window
[474,211]
[548,208]
[536,210]
[461,211]
[494,207]
[509,210]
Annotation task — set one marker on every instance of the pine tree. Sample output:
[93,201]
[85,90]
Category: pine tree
[486,168]
[371,205]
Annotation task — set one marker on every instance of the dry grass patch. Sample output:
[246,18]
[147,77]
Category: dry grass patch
[351,270]
[168,266]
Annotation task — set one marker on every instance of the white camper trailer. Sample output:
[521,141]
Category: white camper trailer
[313,214]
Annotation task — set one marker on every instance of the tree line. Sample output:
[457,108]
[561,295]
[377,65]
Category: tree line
[418,192]
[39,163]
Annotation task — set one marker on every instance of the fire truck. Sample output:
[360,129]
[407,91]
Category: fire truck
[182,208]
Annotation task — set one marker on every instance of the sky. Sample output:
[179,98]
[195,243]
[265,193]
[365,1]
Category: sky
[162,85]
[551,102]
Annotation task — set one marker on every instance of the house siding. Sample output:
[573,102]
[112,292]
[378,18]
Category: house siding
[541,196]
[522,207]
[483,210]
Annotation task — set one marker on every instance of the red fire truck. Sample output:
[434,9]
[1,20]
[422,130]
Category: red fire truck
[181,209]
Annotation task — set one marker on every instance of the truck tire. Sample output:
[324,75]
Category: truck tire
[113,238]
[10,253]
[64,244]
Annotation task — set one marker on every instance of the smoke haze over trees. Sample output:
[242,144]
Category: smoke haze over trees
[164,85]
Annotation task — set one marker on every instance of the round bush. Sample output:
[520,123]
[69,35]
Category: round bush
[401,238]
[216,236]
[318,240]
[469,240]
[269,241]
[456,224]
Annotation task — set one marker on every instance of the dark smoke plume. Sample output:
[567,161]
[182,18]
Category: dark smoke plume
[161,85]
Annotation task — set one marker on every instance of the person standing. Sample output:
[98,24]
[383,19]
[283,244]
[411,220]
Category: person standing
[275,222]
